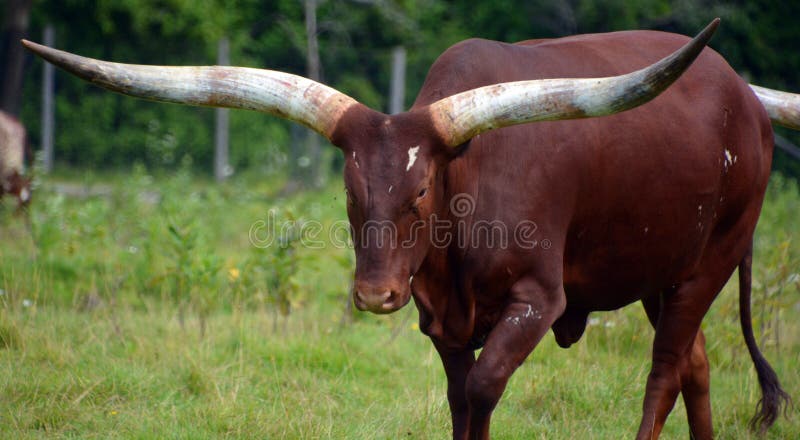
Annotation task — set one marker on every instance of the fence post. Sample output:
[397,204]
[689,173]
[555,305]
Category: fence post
[398,87]
[48,104]
[221,136]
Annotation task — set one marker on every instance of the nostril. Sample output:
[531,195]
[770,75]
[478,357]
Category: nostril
[373,299]
[389,299]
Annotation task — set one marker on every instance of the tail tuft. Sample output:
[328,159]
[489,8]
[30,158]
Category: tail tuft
[773,397]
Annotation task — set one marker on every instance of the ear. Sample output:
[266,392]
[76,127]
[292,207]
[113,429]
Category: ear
[446,153]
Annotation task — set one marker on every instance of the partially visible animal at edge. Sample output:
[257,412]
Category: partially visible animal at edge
[13,144]
[657,204]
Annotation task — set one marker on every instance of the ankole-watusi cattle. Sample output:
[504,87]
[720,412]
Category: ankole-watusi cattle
[502,229]
[12,160]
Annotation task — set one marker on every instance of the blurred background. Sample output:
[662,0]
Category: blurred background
[350,45]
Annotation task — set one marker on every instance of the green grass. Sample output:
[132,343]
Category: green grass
[91,344]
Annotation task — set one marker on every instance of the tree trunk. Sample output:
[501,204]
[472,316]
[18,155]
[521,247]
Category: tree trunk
[48,106]
[306,157]
[12,58]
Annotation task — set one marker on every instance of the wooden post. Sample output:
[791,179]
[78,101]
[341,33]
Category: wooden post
[221,136]
[48,104]
[313,146]
[398,86]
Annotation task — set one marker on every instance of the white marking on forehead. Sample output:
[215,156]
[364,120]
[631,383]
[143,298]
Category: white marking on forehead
[412,157]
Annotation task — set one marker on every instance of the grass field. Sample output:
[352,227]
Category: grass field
[144,311]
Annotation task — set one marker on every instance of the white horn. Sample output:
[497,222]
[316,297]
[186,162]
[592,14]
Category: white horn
[289,96]
[783,108]
[460,117]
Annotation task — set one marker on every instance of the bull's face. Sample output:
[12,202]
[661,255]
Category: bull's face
[393,175]
[394,166]
[18,186]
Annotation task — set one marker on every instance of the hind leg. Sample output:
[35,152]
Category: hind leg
[694,377]
[677,327]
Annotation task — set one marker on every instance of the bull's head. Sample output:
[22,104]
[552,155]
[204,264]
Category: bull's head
[18,186]
[394,164]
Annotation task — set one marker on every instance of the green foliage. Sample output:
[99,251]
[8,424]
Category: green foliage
[91,343]
[271,271]
[96,128]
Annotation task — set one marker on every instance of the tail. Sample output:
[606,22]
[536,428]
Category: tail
[773,397]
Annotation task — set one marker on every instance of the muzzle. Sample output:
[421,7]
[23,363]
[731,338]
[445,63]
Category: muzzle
[380,298]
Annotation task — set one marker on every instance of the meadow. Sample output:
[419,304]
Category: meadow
[138,306]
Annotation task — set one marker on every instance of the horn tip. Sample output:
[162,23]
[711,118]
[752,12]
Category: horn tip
[28,44]
[712,27]
[36,48]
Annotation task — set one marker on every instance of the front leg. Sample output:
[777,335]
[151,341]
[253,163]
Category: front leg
[457,365]
[532,309]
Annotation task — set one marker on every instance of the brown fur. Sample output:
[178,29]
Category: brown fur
[657,204]
[13,143]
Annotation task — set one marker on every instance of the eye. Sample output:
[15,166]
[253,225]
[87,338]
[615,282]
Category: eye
[422,193]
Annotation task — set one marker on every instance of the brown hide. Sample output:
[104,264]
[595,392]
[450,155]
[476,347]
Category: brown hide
[629,202]
[12,155]
[657,204]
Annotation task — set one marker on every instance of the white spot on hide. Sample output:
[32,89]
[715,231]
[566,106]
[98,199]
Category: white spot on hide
[531,313]
[729,158]
[390,188]
[412,157]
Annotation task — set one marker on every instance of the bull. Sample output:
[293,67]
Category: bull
[13,144]
[656,204]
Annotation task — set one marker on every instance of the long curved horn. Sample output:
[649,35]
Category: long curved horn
[783,108]
[460,117]
[308,102]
